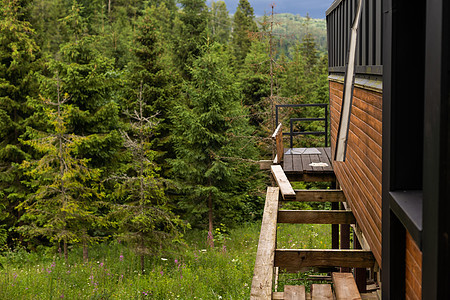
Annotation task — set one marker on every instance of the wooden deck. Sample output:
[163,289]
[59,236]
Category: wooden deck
[308,164]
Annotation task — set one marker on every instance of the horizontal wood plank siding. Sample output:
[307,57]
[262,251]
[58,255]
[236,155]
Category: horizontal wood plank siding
[360,175]
[413,272]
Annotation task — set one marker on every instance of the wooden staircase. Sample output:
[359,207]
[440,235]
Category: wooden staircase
[269,258]
[344,286]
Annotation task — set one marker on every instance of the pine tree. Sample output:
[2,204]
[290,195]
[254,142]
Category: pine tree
[18,64]
[243,26]
[208,120]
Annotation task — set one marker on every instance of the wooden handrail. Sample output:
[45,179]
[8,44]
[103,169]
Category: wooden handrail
[277,136]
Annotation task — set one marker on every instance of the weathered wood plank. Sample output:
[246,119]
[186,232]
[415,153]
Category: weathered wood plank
[306,160]
[283,183]
[345,286]
[297,162]
[316,217]
[288,165]
[264,263]
[324,158]
[278,296]
[321,292]
[315,158]
[264,164]
[294,260]
[294,292]
[278,138]
[319,195]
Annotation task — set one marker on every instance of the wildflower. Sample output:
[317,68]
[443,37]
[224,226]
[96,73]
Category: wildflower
[121,257]
[101,264]
[162,273]
[176,261]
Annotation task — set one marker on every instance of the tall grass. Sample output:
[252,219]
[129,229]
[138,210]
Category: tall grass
[113,271]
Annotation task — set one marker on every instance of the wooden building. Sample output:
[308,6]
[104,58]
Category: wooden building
[389,160]
[394,170]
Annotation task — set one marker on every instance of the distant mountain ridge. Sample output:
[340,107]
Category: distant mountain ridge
[292,28]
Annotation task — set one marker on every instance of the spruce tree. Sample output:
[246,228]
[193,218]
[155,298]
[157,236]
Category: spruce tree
[18,65]
[152,67]
[220,22]
[190,33]
[62,208]
[209,120]
[243,26]
[141,213]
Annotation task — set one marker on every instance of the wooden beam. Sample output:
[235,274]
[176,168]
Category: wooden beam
[316,217]
[319,195]
[285,186]
[361,238]
[294,292]
[345,286]
[294,260]
[264,164]
[311,177]
[321,292]
[264,263]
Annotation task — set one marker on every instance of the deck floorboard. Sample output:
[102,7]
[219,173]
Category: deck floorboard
[308,164]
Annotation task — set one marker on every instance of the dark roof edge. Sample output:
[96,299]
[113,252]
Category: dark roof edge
[333,6]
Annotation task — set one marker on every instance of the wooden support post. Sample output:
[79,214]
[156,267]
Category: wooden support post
[335,229]
[264,263]
[294,260]
[345,238]
[316,217]
[360,273]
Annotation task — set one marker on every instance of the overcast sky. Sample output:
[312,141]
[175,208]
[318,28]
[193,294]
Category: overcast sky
[315,8]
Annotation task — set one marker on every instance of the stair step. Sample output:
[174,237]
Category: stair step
[321,292]
[345,286]
[294,292]
[319,195]
[294,260]
[316,217]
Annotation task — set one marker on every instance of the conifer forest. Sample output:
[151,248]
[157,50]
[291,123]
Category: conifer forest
[130,133]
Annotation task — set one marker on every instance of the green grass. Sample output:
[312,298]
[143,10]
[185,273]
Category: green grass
[113,272]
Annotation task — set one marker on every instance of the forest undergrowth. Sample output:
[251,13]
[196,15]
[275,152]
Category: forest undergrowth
[194,271]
